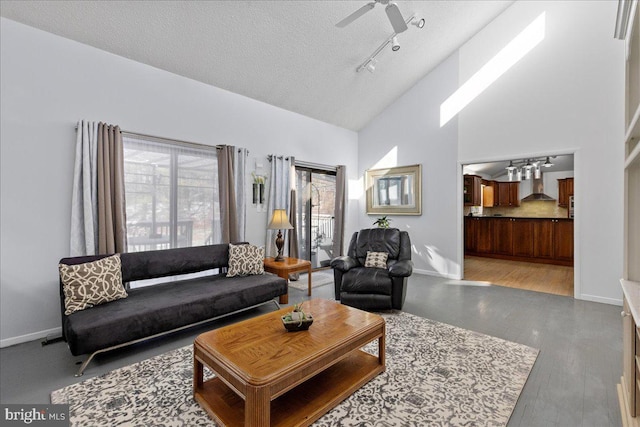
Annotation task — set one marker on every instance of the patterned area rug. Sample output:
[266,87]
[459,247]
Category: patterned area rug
[437,375]
[318,278]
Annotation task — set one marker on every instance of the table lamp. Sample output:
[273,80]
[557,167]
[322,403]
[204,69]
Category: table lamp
[279,221]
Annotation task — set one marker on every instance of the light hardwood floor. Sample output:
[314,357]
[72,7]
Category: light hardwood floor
[551,279]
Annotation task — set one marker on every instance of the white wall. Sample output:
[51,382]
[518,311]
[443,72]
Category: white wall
[47,84]
[411,124]
[565,96]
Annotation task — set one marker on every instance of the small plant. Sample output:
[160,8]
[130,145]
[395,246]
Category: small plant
[382,222]
[258,179]
[296,315]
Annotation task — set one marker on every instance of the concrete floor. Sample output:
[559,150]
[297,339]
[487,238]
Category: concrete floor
[573,382]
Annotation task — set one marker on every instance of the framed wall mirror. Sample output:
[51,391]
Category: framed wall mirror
[394,191]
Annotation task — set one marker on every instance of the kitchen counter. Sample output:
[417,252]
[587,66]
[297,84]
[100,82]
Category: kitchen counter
[531,239]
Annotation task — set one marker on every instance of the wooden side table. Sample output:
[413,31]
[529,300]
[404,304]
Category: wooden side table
[284,268]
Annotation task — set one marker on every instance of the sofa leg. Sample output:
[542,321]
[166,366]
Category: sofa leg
[276,303]
[85,364]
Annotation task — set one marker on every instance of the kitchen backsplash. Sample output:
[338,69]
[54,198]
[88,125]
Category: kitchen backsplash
[534,209]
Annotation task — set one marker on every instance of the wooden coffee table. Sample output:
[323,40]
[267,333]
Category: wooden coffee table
[266,376]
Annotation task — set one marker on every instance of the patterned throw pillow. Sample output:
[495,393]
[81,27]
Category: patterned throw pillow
[91,283]
[376,259]
[245,260]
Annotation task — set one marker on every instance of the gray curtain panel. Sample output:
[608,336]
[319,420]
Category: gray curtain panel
[279,197]
[240,185]
[84,199]
[227,192]
[112,229]
[337,248]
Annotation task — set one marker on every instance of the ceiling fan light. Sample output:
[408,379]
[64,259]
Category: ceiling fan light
[395,46]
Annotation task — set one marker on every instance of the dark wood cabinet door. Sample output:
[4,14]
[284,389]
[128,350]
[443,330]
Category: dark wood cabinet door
[562,193]
[470,234]
[504,198]
[485,235]
[569,189]
[472,190]
[522,237]
[514,194]
[543,238]
[563,239]
[503,236]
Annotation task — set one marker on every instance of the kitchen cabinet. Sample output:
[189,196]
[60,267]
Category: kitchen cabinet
[485,235]
[503,236]
[523,237]
[544,240]
[508,194]
[565,190]
[470,234]
[472,190]
[563,239]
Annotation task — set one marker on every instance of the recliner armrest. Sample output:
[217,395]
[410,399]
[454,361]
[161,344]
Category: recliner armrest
[343,263]
[401,268]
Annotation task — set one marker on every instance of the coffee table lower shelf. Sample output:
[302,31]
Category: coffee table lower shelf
[301,405]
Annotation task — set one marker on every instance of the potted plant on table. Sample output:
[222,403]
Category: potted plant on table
[297,320]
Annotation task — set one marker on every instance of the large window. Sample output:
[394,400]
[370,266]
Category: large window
[171,194]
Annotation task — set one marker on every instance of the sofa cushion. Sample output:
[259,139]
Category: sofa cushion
[160,308]
[92,283]
[245,260]
[376,259]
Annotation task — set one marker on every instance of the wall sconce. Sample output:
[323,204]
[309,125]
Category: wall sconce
[258,189]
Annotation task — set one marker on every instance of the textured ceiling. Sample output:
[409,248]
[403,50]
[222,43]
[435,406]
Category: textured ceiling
[285,53]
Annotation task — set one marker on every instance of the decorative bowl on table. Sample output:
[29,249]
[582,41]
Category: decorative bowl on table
[297,320]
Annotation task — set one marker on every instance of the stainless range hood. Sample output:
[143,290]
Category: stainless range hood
[537,191]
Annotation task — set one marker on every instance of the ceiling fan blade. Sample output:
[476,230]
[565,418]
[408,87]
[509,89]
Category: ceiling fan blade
[397,21]
[355,15]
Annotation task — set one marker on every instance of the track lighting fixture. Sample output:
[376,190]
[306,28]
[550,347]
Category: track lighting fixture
[371,65]
[395,46]
[419,23]
[393,41]
[526,168]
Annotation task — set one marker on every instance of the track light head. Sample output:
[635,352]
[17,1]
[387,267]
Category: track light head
[547,163]
[371,65]
[395,46]
[418,23]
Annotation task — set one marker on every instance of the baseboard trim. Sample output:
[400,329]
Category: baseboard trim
[7,342]
[595,298]
[436,274]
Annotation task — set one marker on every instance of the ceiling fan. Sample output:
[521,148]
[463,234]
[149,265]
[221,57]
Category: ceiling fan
[393,13]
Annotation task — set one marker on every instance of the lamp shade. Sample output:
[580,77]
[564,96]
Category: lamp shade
[279,220]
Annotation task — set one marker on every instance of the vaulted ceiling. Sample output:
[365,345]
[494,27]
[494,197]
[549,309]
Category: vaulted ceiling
[289,54]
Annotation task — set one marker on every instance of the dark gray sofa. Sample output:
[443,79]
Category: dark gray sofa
[166,307]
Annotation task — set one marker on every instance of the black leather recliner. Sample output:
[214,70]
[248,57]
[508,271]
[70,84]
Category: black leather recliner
[370,288]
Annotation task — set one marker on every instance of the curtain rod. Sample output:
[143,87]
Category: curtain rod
[181,142]
[317,166]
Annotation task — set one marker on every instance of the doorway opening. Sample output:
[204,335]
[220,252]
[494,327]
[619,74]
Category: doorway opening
[315,215]
[518,223]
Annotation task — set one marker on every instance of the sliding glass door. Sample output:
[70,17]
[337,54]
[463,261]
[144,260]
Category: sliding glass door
[316,191]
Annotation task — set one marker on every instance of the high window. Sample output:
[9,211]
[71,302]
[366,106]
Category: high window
[171,191]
